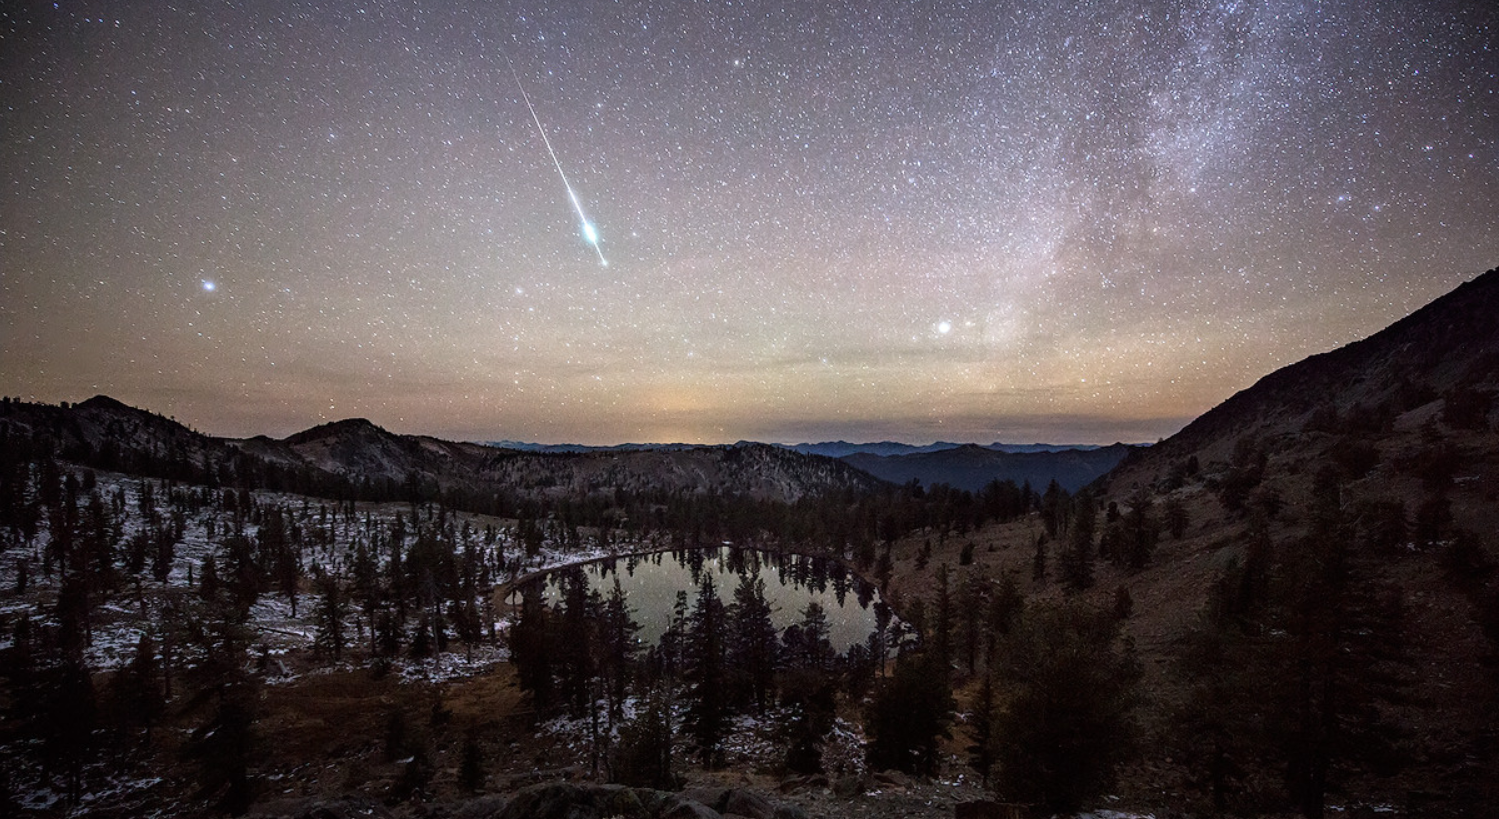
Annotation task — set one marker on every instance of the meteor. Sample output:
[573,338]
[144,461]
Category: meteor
[590,233]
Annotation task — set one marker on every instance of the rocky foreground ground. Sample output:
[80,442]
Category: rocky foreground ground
[878,798]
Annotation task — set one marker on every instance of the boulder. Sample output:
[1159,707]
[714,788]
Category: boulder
[713,796]
[749,804]
[488,806]
[689,809]
[565,800]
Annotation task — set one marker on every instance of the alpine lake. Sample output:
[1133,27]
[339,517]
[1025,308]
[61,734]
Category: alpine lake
[653,583]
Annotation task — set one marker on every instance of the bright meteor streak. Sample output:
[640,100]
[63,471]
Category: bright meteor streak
[590,233]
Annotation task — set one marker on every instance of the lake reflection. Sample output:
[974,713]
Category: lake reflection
[651,583]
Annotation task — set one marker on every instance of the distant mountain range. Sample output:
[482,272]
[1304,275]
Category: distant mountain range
[964,466]
[971,466]
[522,446]
[842,449]
[830,449]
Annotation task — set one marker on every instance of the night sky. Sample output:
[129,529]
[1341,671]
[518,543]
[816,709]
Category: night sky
[978,221]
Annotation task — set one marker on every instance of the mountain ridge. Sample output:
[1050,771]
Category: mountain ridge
[832,449]
[1446,343]
[105,432]
[972,466]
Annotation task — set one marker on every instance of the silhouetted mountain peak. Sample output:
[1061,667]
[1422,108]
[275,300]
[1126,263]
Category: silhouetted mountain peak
[348,427]
[103,403]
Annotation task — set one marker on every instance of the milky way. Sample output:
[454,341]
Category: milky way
[965,221]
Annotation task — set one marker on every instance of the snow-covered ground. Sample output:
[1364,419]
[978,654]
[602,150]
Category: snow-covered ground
[751,742]
[329,536]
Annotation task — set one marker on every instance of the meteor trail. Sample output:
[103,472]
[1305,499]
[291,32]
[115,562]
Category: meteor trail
[590,233]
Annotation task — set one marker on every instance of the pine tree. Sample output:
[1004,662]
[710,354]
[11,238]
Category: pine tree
[813,646]
[530,648]
[386,640]
[811,694]
[244,577]
[226,746]
[1175,517]
[1345,654]
[1066,722]
[163,555]
[671,648]
[942,629]
[332,608]
[971,605]
[366,584]
[74,615]
[1076,558]
[884,567]
[1055,506]
[1141,532]
[1215,723]
[752,644]
[619,648]
[643,757]
[464,614]
[67,723]
[981,730]
[422,641]
[707,709]
[137,689]
[910,713]
[209,585]
[576,639]
[1076,563]
[879,640]
[471,763]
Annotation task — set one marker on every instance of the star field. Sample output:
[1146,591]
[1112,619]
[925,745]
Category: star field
[968,221]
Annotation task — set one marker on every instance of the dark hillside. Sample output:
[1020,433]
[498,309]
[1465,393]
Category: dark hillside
[971,467]
[1448,348]
[1340,518]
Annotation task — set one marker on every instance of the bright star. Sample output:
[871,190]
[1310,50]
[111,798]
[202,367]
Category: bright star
[209,286]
